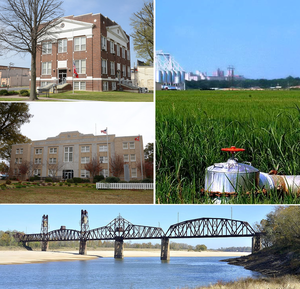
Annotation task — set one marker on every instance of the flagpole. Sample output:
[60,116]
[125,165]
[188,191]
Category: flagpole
[107,150]
[73,59]
[141,158]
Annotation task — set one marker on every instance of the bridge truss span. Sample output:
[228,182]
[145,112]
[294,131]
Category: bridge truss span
[210,227]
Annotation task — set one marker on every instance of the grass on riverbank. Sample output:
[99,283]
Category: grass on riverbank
[285,282]
[193,126]
[74,195]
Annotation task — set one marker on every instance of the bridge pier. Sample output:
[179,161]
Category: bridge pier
[165,249]
[82,247]
[119,247]
[256,243]
[45,245]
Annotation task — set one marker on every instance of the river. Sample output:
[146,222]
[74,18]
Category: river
[133,273]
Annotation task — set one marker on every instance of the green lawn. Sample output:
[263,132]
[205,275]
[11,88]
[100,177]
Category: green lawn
[115,96]
[193,126]
[74,195]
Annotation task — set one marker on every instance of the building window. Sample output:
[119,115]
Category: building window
[53,150]
[15,171]
[79,85]
[85,160]
[79,43]
[85,149]
[19,151]
[80,66]
[125,145]
[105,85]
[132,158]
[37,172]
[84,174]
[52,161]
[68,154]
[128,71]
[104,66]
[128,54]
[133,173]
[16,160]
[112,47]
[112,68]
[46,48]
[123,52]
[20,160]
[46,68]
[103,43]
[104,173]
[126,158]
[103,160]
[118,50]
[124,70]
[62,45]
[38,151]
[132,146]
[38,161]
[44,83]
[103,148]
[114,86]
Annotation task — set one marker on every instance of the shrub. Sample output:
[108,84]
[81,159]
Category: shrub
[77,180]
[85,180]
[3,92]
[60,184]
[123,182]
[20,186]
[98,179]
[48,180]
[112,180]
[134,181]
[35,178]
[23,91]
[70,181]
[8,182]
[69,184]
[12,92]
[147,180]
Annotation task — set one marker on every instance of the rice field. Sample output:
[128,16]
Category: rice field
[193,126]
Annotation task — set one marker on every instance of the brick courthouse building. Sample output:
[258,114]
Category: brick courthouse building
[98,46]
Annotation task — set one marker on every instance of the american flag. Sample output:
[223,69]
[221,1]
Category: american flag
[104,131]
[75,71]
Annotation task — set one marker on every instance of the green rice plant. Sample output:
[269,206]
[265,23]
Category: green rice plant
[189,139]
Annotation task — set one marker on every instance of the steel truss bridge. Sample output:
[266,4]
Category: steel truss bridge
[119,228]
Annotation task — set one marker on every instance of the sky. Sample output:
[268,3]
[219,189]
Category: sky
[260,38]
[122,119]
[27,218]
[118,10]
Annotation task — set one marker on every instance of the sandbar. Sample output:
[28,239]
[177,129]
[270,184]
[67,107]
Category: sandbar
[23,257]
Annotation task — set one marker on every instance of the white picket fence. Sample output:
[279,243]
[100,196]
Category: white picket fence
[125,186]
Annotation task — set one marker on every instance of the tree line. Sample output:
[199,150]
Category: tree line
[285,83]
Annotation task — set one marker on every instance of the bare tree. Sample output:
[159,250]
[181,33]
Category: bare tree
[24,23]
[54,168]
[142,23]
[94,167]
[24,168]
[117,165]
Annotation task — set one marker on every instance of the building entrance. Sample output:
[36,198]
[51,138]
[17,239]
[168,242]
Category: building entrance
[62,75]
[68,174]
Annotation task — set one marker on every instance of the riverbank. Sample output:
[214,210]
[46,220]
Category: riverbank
[23,257]
[272,262]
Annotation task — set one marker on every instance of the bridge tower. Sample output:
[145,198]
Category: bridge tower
[119,227]
[256,243]
[165,249]
[44,233]
[84,229]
